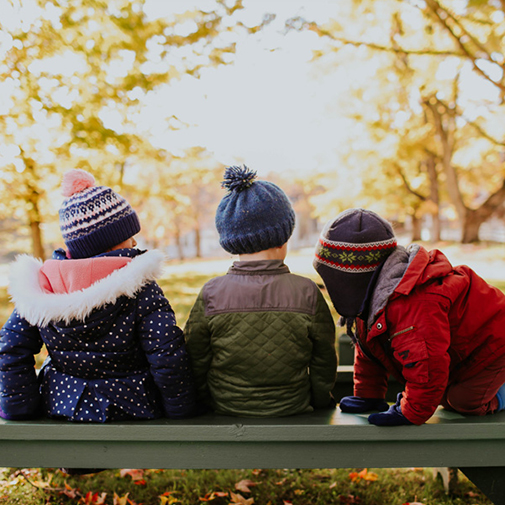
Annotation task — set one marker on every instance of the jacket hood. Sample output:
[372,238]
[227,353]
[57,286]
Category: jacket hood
[405,269]
[66,290]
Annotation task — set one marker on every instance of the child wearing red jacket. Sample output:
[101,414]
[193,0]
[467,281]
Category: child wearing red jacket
[439,329]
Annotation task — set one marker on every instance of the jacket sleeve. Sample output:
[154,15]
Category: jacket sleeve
[421,346]
[197,334]
[163,343]
[19,390]
[323,363]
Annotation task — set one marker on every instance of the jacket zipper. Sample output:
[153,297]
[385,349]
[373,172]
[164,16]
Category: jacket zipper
[401,332]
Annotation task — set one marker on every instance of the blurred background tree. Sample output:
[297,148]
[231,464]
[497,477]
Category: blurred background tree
[417,111]
[429,116]
[73,76]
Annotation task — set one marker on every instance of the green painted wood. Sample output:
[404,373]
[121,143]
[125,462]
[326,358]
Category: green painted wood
[324,439]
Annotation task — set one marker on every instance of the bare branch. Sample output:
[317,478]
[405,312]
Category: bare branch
[407,184]
[435,7]
[390,49]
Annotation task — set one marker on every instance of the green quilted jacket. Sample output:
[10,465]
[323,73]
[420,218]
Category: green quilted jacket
[262,342]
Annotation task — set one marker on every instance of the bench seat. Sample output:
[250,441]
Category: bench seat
[323,439]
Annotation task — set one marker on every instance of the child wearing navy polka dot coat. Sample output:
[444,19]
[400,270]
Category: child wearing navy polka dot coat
[114,349]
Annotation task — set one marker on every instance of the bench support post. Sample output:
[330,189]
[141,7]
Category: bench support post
[490,480]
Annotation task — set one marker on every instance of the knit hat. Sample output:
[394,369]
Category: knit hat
[254,215]
[93,218]
[349,251]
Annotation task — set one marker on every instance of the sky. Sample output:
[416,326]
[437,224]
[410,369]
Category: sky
[273,109]
[270,109]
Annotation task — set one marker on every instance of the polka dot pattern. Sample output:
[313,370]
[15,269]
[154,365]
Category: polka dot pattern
[127,360]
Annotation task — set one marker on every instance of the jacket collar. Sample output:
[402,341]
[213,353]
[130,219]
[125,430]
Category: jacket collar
[269,267]
[39,308]
[391,275]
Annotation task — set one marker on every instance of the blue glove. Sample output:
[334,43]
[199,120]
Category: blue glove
[356,404]
[393,417]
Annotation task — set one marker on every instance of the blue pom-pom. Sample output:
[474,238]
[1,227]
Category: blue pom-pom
[238,178]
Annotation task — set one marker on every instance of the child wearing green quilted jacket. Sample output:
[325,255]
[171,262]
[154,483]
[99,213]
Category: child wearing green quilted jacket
[261,340]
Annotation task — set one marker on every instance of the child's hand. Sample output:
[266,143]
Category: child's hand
[356,404]
[393,417]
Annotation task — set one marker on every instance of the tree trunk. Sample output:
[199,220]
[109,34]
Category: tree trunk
[37,245]
[471,227]
[178,243]
[434,198]
[474,218]
[416,227]
[35,221]
[198,242]
[444,120]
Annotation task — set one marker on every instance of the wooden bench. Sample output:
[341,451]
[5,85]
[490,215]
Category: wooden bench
[324,439]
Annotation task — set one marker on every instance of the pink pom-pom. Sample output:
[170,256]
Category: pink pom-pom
[76,180]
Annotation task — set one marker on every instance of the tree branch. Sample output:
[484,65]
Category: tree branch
[390,49]
[435,8]
[407,184]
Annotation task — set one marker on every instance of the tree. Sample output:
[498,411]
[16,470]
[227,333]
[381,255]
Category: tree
[417,43]
[176,196]
[74,73]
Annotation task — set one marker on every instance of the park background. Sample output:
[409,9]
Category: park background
[392,105]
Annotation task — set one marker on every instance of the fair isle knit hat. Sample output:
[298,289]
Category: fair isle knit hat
[93,218]
[350,249]
[254,215]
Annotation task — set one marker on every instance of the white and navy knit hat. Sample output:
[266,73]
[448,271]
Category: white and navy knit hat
[350,249]
[93,218]
[254,215]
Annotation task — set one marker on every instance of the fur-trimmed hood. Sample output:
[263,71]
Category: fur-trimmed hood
[39,307]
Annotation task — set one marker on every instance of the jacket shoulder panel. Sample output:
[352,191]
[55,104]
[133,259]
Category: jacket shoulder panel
[255,293]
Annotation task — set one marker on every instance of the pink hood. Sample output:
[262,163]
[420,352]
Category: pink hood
[61,276]
[63,290]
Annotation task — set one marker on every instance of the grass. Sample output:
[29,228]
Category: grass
[222,487]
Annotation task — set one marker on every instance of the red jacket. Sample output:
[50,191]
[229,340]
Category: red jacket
[430,324]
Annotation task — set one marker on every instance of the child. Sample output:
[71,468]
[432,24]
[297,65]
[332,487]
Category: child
[261,340]
[114,349]
[438,329]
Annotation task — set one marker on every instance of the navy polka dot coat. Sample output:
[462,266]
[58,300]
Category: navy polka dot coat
[114,349]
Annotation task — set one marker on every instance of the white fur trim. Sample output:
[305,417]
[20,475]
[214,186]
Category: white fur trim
[40,308]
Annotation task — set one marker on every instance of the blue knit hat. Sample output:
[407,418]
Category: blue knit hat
[254,215]
[93,218]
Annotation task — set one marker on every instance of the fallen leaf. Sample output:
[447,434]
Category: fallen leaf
[244,485]
[333,484]
[354,476]
[364,474]
[167,499]
[93,498]
[120,500]
[299,492]
[140,482]
[207,497]
[370,476]
[70,491]
[134,473]
[281,482]
[413,503]
[221,494]
[239,499]
[286,502]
